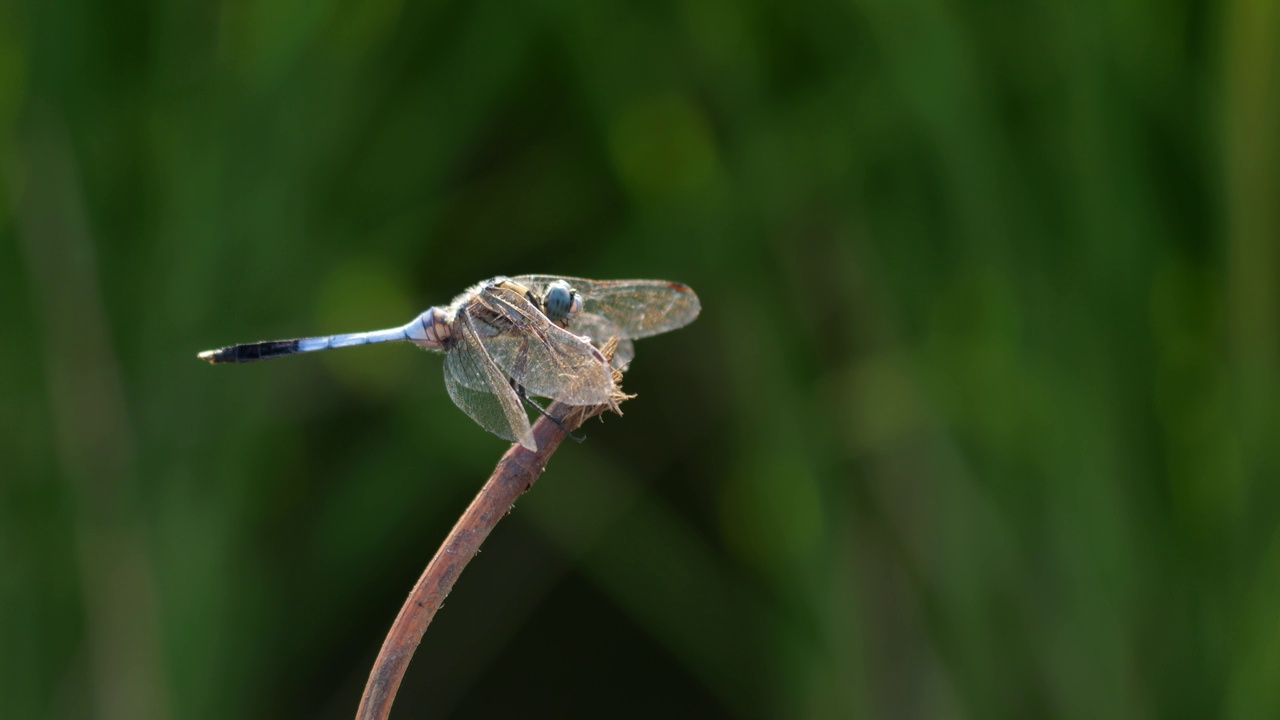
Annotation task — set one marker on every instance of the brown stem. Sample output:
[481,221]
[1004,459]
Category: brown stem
[515,474]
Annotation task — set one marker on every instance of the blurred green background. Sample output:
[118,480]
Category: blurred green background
[980,418]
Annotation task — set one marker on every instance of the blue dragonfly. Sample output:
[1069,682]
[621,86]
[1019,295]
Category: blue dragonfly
[508,340]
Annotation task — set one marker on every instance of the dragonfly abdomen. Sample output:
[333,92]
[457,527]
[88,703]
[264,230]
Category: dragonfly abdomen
[250,352]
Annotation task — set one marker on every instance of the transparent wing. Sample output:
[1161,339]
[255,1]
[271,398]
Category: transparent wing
[639,308]
[600,329]
[545,359]
[481,390]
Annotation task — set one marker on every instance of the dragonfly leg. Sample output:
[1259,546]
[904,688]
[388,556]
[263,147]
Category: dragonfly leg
[520,392]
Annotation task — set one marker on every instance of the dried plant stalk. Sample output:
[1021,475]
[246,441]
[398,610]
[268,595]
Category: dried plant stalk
[515,473]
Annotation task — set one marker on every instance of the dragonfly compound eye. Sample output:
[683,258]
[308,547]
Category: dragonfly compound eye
[560,302]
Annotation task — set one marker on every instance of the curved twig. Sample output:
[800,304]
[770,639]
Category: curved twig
[515,473]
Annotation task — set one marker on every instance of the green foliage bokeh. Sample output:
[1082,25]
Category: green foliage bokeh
[979,420]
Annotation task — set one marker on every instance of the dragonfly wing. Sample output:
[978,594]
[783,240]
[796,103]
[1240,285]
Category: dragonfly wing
[601,329]
[547,360]
[639,308]
[481,390]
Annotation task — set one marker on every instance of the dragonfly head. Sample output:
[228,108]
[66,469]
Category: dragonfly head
[430,330]
[561,303]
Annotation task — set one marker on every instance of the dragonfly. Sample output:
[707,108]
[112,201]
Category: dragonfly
[507,340]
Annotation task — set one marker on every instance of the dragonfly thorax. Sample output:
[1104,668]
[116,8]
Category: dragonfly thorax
[559,301]
[431,330]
